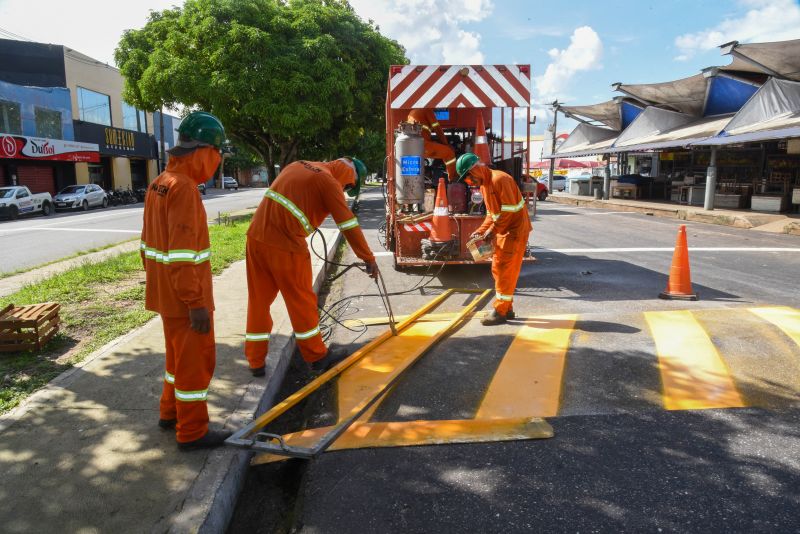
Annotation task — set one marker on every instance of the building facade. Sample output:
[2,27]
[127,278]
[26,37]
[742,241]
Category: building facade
[43,86]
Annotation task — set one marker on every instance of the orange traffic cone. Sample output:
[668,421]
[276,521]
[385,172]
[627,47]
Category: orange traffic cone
[679,285]
[442,229]
[481,145]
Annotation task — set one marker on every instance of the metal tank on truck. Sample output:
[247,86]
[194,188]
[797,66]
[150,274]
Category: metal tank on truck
[409,147]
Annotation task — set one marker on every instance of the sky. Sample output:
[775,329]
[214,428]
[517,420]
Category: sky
[576,49]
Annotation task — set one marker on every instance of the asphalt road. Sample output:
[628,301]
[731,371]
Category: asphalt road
[35,240]
[620,461]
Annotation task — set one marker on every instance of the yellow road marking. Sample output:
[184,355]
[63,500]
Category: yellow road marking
[693,374]
[785,318]
[362,435]
[528,381]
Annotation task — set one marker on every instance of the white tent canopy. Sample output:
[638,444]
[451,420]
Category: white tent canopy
[686,95]
[679,137]
[607,113]
[651,121]
[772,113]
[778,59]
[586,140]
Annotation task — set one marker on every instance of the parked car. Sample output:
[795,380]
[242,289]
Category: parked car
[81,197]
[229,182]
[541,188]
[18,200]
[558,183]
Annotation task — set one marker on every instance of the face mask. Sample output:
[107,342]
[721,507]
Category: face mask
[208,159]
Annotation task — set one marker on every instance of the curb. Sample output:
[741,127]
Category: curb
[209,503]
[745,221]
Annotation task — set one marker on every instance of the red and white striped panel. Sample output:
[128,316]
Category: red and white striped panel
[459,86]
[426,226]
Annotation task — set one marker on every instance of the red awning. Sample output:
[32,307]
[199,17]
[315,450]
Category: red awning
[563,163]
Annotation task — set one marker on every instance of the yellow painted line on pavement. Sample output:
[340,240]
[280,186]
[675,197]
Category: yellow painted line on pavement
[363,435]
[693,374]
[528,381]
[785,318]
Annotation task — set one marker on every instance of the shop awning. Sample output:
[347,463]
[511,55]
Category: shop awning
[651,122]
[780,59]
[616,113]
[44,149]
[772,113]
[587,140]
[678,137]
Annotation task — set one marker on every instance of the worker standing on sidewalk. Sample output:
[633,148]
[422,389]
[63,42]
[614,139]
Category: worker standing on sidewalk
[176,254]
[442,150]
[296,203]
[506,223]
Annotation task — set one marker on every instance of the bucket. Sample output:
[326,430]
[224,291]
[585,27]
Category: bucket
[480,249]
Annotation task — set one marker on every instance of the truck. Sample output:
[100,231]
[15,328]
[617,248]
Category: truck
[468,101]
[18,200]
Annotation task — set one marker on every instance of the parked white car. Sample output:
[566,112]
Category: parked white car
[229,182]
[18,200]
[81,197]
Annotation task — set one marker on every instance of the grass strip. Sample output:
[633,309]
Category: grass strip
[99,303]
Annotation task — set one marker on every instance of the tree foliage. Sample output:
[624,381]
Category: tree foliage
[289,79]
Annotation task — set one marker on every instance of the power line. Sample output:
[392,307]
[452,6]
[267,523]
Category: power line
[14,35]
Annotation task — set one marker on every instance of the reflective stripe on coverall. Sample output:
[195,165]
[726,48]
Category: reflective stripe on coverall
[427,119]
[176,254]
[507,218]
[278,260]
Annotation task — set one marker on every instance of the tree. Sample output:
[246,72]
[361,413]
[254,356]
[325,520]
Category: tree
[288,79]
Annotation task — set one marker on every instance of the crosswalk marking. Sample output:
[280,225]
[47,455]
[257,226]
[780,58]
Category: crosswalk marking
[694,376]
[787,319]
[528,381]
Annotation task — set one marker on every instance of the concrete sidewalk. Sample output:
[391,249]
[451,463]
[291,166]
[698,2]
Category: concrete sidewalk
[766,222]
[84,454]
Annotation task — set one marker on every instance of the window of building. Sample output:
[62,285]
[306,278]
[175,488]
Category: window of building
[133,119]
[94,107]
[48,123]
[10,118]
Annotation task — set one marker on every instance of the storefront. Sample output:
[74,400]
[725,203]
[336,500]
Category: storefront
[43,165]
[127,158]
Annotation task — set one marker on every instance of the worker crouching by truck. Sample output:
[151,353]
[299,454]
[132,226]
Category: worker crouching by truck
[506,224]
[297,202]
[176,254]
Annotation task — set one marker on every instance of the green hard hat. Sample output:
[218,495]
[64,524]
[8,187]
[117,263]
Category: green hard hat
[200,128]
[361,175]
[465,162]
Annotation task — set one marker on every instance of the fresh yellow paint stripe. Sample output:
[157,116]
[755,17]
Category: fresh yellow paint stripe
[528,381]
[693,374]
[785,318]
[363,435]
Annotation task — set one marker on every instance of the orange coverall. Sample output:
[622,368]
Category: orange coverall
[434,150]
[175,252]
[296,203]
[507,218]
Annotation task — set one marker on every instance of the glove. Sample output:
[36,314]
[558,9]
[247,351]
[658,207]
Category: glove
[372,270]
[200,320]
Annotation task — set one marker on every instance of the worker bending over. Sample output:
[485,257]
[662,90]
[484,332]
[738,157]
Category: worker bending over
[296,203]
[506,223]
[176,255]
[443,151]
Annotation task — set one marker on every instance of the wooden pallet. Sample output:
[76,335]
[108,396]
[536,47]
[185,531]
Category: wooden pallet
[28,327]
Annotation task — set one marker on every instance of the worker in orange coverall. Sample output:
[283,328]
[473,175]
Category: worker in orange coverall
[443,151]
[176,255]
[507,223]
[297,202]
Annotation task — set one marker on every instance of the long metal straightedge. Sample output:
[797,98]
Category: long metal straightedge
[252,436]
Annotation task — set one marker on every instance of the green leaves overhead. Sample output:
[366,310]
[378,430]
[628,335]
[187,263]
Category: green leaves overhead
[296,78]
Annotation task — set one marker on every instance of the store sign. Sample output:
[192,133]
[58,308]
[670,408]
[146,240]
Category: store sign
[115,141]
[40,148]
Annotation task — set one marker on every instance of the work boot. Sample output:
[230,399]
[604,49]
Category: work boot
[511,315]
[212,439]
[330,359]
[259,371]
[167,424]
[494,318]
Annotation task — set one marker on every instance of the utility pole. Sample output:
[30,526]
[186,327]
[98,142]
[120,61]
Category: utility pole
[553,146]
[163,151]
